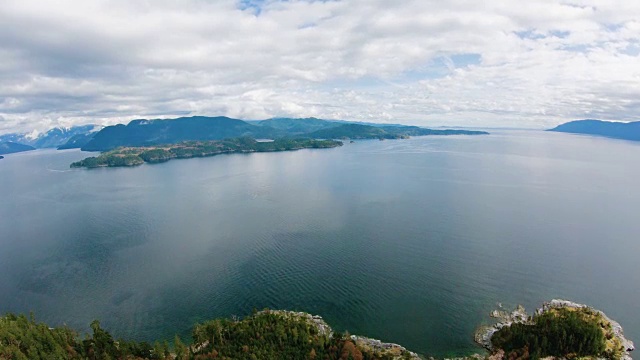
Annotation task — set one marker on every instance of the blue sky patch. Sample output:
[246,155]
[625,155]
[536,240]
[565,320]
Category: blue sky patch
[464,60]
[560,34]
[252,5]
[529,34]
[576,48]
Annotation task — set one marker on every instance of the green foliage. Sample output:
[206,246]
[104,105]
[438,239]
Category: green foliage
[23,338]
[156,155]
[264,335]
[562,333]
[272,335]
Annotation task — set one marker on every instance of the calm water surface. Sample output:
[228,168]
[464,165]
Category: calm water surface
[409,241]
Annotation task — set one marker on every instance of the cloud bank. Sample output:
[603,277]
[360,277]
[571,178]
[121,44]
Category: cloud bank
[492,63]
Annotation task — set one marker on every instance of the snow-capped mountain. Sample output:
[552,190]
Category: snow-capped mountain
[55,137]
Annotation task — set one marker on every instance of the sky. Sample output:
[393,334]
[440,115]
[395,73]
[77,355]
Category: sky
[491,63]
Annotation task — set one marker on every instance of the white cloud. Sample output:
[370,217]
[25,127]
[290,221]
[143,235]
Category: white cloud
[537,63]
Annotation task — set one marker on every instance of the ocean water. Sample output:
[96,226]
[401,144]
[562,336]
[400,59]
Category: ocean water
[408,241]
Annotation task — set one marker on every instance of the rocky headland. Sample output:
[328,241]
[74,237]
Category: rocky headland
[374,346]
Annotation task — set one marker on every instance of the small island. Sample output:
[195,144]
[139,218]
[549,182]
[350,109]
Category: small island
[559,329]
[134,156]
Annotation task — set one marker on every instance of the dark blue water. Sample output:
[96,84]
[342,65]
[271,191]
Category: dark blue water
[409,241]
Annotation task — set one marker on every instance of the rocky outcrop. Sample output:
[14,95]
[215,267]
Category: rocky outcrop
[505,318]
[381,348]
[323,328]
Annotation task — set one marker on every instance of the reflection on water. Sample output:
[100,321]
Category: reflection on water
[410,241]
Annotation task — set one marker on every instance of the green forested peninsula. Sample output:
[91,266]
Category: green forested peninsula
[133,156]
[264,335]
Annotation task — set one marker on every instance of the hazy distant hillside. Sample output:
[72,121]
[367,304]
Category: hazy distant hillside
[352,131]
[418,131]
[298,126]
[356,131]
[154,132]
[11,147]
[77,141]
[53,138]
[617,130]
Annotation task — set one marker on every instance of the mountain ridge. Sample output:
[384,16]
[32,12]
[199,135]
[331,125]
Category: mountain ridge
[9,147]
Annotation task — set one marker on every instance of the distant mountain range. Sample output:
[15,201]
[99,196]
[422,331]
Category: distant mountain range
[156,132]
[616,130]
[297,126]
[9,147]
[200,128]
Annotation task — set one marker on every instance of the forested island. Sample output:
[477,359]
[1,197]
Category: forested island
[134,156]
[559,329]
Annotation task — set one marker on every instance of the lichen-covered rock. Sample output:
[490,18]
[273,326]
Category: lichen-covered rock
[483,334]
[323,328]
[380,348]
